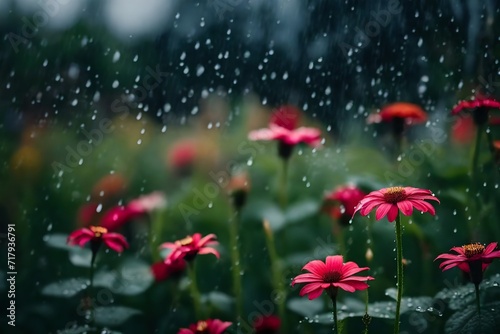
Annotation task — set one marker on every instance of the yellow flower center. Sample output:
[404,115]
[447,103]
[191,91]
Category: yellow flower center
[98,230]
[394,195]
[202,325]
[473,249]
[186,241]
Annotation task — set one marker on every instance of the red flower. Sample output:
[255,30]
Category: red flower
[479,106]
[331,275]
[472,259]
[267,324]
[348,197]
[478,102]
[409,112]
[209,326]
[191,246]
[496,148]
[463,130]
[98,235]
[391,200]
[162,270]
[182,155]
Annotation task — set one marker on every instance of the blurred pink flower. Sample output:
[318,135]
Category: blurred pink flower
[115,217]
[391,200]
[191,246]
[209,326]
[147,203]
[162,270]
[341,202]
[267,324]
[97,235]
[330,276]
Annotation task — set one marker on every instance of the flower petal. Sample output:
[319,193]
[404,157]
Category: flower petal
[334,263]
[316,267]
[382,210]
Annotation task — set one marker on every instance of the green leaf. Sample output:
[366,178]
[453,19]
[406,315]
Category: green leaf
[219,300]
[80,257]
[58,240]
[65,288]
[305,307]
[133,277]
[260,210]
[301,211]
[462,296]
[85,330]
[469,321]
[113,315]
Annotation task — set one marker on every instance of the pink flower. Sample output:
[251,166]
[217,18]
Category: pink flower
[182,155]
[267,324]
[468,254]
[162,270]
[341,202]
[148,203]
[115,217]
[191,246]
[283,128]
[209,326]
[463,130]
[391,200]
[331,275]
[97,235]
[310,136]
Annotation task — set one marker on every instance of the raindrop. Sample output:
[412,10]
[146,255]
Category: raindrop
[116,56]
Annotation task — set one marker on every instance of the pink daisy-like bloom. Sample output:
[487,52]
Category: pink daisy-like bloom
[341,202]
[330,276]
[479,105]
[191,246]
[117,216]
[97,235]
[209,326]
[267,325]
[283,128]
[310,136]
[394,199]
[162,271]
[472,259]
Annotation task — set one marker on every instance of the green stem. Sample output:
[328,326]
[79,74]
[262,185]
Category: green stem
[335,321]
[276,275]
[399,259]
[283,190]
[478,302]
[91,285]
[156,234]
[474,180]
[338,233]
[236,266]
[195,293]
